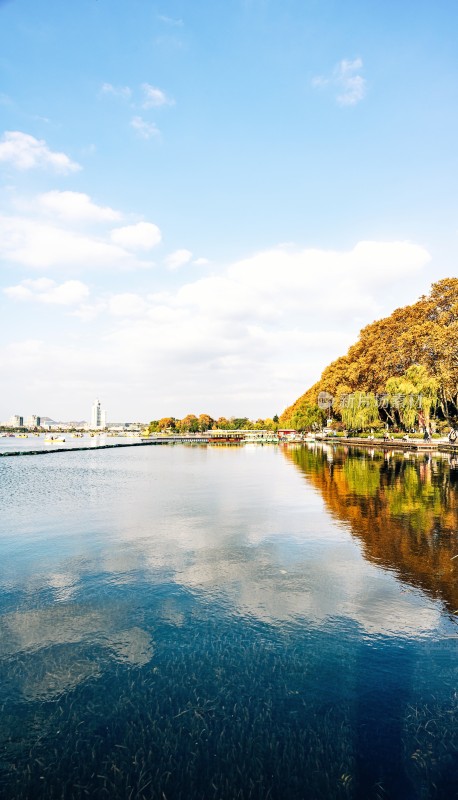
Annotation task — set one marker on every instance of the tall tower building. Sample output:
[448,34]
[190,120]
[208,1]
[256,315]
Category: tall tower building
[98,416]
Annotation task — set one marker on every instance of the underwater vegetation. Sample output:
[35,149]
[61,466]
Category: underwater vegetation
[250,625]
[226,709]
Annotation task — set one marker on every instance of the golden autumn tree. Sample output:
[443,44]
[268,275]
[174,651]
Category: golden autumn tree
[205,422]
[423,334]
[189,424]
[167,424]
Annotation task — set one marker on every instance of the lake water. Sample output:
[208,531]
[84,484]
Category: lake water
[41,441]
[228,623]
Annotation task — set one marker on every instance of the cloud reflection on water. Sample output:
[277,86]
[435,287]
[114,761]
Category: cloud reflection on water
[240,530]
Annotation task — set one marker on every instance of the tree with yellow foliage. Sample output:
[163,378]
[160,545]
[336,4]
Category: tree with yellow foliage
[423,335]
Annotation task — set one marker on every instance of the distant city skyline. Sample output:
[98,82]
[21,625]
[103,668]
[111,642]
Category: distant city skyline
[97,418]
[205,213]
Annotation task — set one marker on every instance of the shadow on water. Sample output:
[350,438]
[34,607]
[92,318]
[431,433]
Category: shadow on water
[383,692]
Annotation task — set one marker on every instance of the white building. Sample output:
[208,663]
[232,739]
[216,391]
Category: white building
[98,416]
[34,421]
[16,421]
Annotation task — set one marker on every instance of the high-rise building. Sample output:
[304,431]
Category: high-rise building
[16,421]
[98,416]
[34,421]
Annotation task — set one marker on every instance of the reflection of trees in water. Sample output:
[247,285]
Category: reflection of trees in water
[404,511]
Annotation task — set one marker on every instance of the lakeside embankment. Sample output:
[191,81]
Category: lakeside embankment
[417,445]
[398,444]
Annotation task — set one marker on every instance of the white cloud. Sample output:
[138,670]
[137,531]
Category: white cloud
[319,81]
[249,340]
[23,353]
[25,152]
[141,236]
[117,91]
[330,278]
[201,262]
[346,80]
[45,290]
[273,320]
[176,23]
[76,206]
[38,245]
[353,85]
[146,130]
[127,305]
[67,293]
[178,259]
[89,311]
[154,97]
[19,292]
[224,298]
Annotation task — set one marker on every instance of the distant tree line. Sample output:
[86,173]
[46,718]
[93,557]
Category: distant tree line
[204,422]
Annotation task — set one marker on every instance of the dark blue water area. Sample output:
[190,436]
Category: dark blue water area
[205,704]
[187,654]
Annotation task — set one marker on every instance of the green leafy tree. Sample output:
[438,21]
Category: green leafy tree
[413,395]
[271,424]
[360,411]
[306,417]
[240,423]
[222,424]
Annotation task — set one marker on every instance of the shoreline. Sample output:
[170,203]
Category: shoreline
[413,446]
[416,445]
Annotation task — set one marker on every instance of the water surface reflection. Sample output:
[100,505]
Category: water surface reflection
[188,622]
[403,509]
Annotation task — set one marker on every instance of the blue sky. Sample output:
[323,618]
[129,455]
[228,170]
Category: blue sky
[203,203]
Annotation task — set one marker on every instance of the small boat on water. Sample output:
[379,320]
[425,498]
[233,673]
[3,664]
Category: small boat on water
[54,440]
